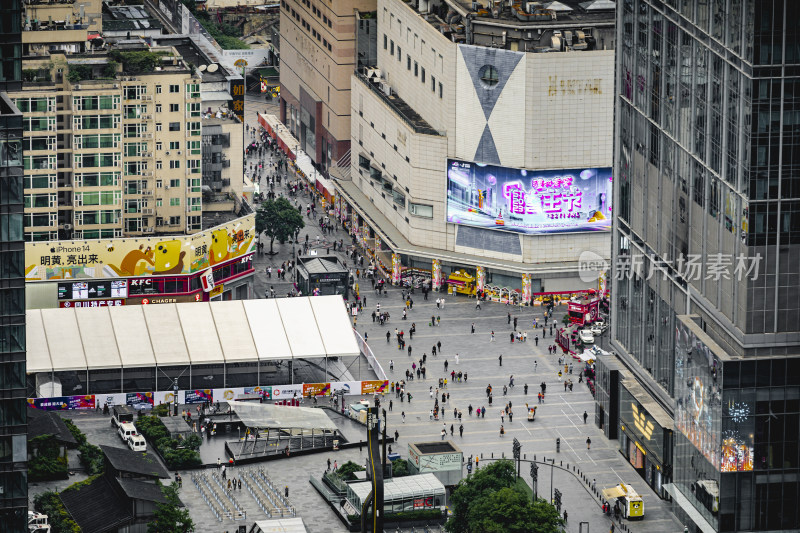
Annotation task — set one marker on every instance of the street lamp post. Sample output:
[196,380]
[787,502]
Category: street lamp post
[535,479]
[552,467]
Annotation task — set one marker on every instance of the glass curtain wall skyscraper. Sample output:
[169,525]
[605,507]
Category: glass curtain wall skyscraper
[706,246]
[13,405]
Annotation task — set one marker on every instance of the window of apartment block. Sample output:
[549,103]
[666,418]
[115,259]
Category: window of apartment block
[159,202]
[158,126]
[391,47]
[441,91]
[174,221]
[158,108]
[175,183]
[420,210]
[159,145]
[433,84]
[159,184]
[174,108]
[408,62]
[158,89]
[174,145]
[385,41]
[159,165]
[174,202]
[175,164]
[399,53]
[176,88]
[422,75]
[416,68]
[174,126]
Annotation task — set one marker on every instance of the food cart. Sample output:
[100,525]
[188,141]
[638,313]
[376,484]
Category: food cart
[462,282]
[630,502]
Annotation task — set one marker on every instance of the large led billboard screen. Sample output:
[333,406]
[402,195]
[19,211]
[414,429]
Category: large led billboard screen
[528,201]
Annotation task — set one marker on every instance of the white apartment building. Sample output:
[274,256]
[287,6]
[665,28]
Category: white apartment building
[482,144]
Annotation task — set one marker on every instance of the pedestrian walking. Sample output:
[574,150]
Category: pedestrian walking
[461,430]
[472,328]
[585,416]
[492,338]
[500,359]
[588,443]
[456,358]
[403,414]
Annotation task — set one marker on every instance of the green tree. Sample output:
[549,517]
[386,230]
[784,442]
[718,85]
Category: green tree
[171,517]
[400,468]
[490,502]
[279,220]
[347,470]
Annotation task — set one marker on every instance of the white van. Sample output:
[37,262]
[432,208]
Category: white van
[126,429]
[137,443]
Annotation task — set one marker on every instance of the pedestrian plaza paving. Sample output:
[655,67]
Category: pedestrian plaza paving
[561,416]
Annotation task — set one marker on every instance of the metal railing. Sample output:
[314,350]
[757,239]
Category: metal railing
[424,129]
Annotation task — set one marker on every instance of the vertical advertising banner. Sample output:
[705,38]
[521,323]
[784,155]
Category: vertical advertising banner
[526,288]
[481,278]
[237,91]
[436,266]
[396,268]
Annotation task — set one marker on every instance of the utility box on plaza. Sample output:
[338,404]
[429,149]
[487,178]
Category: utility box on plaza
[441,458]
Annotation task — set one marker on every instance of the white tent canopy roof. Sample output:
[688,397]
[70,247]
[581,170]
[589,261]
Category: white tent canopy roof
[188,333]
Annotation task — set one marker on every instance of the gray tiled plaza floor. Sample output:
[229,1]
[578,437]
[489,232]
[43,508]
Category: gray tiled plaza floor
[559,417]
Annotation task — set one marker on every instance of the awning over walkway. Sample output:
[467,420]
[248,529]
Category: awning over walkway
[188,333]
[263,415]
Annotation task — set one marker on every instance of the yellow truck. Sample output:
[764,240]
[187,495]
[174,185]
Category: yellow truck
[630,502]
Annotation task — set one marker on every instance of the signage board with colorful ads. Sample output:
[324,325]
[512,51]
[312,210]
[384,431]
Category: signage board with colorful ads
[135,257]
[198,396]
[529,201]
[374,386]
[63,403]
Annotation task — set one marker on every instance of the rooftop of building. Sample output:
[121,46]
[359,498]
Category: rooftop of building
[128,18]
[192,53]
[220,118]
[571,21]
[143,464]
[444,446]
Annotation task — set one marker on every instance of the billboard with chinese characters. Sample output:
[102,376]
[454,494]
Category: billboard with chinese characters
[141,256]
[529,201]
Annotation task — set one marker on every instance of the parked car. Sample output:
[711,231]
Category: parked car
[137,443]
[125,430]
[586,336]
[598,328]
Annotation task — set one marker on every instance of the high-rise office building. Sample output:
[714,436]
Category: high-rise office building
[13,448]
[318,53]
[706,250]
